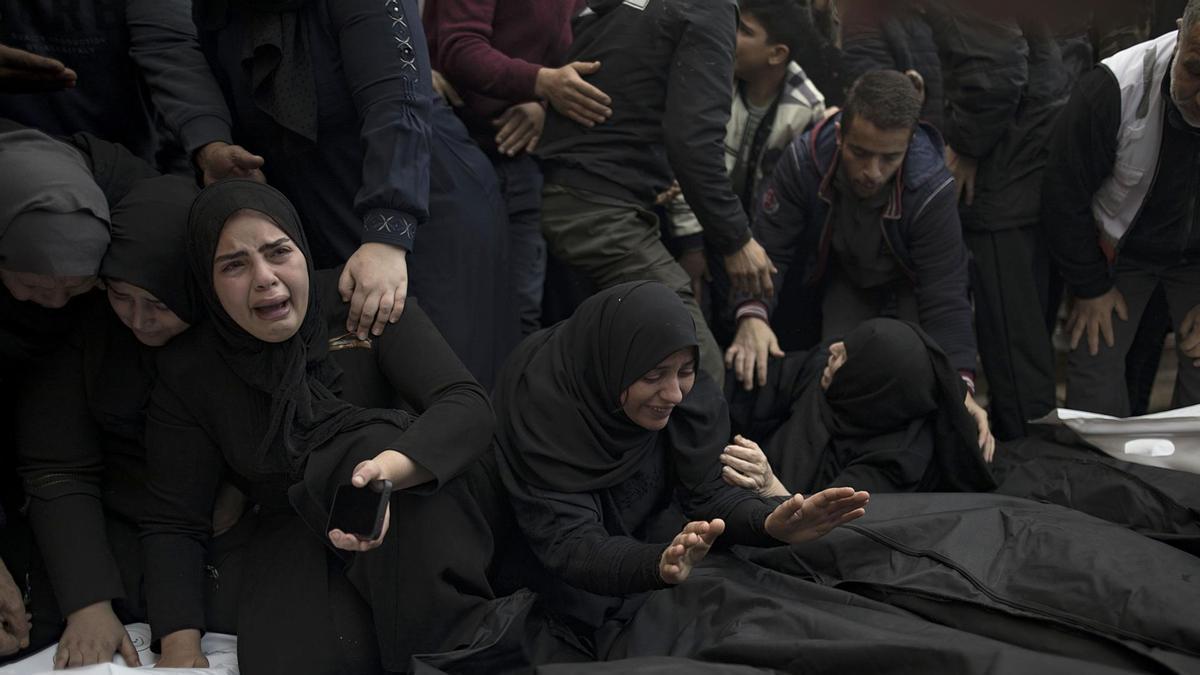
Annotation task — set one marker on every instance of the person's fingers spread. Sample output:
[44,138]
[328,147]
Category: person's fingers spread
[1077,331]
[1106,328]
[1093,337]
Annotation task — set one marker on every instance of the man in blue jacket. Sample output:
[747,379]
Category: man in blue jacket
[860,218]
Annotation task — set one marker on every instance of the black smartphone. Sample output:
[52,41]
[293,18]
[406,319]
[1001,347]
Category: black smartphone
[360,510]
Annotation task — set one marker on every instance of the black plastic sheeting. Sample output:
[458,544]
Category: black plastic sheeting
[949,583]
[1159,503]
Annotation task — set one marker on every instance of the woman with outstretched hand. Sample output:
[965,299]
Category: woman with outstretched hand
[610,442]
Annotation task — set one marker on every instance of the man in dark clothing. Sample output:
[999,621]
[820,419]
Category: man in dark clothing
[860,218]
[1123,168]
[668,69]
[894,36]
[1006,79]
[501,58]
[130,67]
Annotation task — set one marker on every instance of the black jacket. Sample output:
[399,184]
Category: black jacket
[668,67]
[1005,82]
[875,38]
[1082,154]
[920,224]
[139,65]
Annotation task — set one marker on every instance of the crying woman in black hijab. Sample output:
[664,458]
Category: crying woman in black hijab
[882,407]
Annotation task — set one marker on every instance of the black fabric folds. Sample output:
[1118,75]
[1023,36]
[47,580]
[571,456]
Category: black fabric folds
[302,382]
[275,54]
[148,242]
[887,381]
[578,439]
[892,420]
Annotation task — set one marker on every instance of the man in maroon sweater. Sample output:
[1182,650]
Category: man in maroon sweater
[502,59]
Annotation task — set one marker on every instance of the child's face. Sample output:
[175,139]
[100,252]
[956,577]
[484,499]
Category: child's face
[754,53]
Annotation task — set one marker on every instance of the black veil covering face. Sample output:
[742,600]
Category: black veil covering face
[53,216]
[558,407]
[149,231]
[888,380]
[302,381]
[892,420]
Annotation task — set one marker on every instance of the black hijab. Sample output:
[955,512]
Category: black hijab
[560,422]
[149,239]
[892,419]
[897,393]
[297,373]
[887,381]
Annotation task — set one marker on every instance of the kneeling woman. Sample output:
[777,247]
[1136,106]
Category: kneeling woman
[268,391]
[610,440]
[881,408]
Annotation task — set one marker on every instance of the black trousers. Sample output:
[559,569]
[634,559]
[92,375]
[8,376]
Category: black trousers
[1010,283]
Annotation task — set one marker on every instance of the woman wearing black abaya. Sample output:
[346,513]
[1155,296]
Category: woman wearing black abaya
[609,440]
[81,423]
[881,409]
[270,392]
[337,96]
[54,208]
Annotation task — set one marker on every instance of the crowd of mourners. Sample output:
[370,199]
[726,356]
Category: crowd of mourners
[596,285]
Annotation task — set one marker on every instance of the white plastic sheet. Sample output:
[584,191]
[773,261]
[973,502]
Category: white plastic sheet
[1168,440]
[221,651]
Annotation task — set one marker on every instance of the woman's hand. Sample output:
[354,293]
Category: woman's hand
[799,520]
[93,635]
[14,622]
[688,548]
[746,466]
[987,442]
[181,649]
[375,283]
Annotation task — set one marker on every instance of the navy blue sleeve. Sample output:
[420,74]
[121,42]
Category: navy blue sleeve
[386,64]
[780,215]
[939,259]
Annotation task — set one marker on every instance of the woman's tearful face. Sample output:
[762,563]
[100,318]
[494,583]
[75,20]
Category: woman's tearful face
[261,277]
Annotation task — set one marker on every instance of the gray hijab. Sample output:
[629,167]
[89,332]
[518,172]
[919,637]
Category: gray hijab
[53,216]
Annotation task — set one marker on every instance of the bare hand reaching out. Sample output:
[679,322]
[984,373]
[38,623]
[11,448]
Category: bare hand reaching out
[801,519]
[688,548]
[749,355]
[219,160]
[23,72]
[987,442]
[750,270]
[1093,317]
